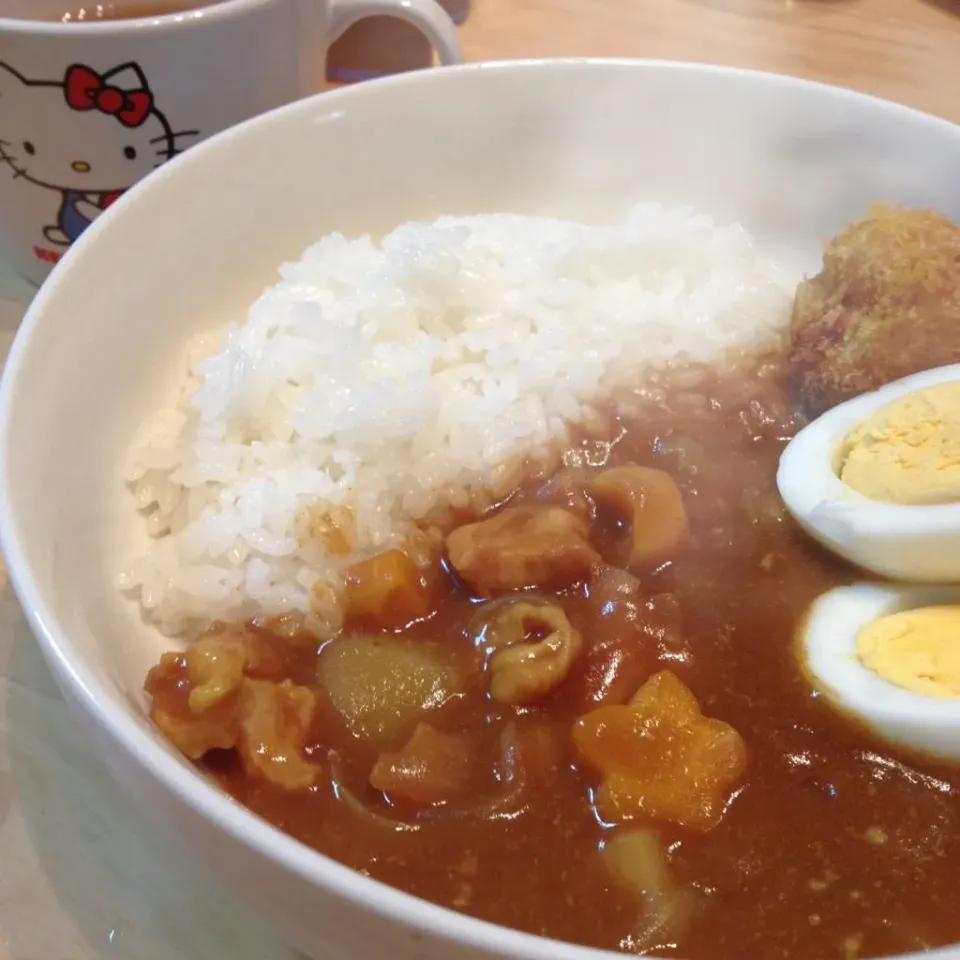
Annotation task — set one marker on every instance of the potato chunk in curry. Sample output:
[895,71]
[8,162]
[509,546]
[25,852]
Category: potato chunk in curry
[659,757]
[522,547]
[638,863]
[383,686]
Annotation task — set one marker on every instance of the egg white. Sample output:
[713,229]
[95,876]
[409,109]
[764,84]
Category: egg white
[828,653]
[906,543]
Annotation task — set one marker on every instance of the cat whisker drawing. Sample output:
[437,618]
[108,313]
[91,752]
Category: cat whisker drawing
[12,164]
[10,161]
[175,136]
[168,145]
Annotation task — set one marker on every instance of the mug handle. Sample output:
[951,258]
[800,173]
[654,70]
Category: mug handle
[426,15]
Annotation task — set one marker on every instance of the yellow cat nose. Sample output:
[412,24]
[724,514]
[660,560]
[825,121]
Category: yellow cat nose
[81,166]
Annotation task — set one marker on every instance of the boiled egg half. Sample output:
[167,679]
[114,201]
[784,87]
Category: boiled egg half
[889,656]
[877,479]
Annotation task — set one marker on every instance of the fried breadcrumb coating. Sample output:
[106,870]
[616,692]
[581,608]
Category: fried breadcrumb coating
[885,305]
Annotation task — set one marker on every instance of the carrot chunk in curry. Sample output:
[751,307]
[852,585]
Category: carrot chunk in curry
[387,588]
[659,757]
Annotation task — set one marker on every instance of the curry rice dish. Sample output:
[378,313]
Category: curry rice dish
[487,591]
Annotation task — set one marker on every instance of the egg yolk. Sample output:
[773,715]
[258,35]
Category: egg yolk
[908,452]
[918,650]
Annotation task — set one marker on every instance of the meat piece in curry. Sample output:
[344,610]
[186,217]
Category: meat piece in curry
[209,698]
[432,767]
[522,547]
[525,666]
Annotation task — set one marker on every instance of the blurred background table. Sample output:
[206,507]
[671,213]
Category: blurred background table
[81,876]
[904,50]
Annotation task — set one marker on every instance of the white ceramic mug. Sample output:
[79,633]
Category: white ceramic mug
[88,109]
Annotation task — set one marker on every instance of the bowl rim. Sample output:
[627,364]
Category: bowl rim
[185,783]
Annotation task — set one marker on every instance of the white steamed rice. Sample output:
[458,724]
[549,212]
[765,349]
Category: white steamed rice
[384,376]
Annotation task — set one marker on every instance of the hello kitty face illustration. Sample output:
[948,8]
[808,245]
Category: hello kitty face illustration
[88,136]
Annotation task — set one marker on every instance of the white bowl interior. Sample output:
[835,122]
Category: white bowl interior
[194,244]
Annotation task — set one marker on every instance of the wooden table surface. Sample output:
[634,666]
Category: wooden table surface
[904,50]
[81,876]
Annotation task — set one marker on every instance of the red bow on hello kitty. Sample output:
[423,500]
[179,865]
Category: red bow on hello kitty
[85,89]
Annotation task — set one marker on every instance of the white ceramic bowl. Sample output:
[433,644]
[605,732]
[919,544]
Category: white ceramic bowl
[194,243]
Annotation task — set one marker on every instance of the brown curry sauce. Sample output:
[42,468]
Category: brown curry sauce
[832,845]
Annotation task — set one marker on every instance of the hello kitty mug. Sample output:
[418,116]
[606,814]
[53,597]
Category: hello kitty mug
[87,109]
